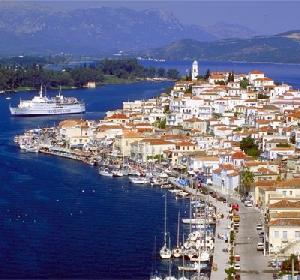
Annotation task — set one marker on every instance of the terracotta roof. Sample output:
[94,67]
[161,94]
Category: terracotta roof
[193,119]
[108,127]
[185,143]
[285,222]
[117,117]
[155,141]
[132,134]
[71,123]
[256,72]
[284,203]
[286,215]
[174,137]
[238,155]
[266,171]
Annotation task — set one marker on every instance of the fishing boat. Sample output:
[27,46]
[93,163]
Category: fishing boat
[105,172]
[165,252]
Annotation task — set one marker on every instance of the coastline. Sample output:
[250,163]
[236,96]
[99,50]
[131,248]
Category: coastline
[113,82]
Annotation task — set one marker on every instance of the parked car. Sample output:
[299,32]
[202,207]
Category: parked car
[248,203]
[259,227]
[237,266]
[236,224]
[260,246]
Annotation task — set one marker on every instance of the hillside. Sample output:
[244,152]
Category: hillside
[99,31]
[281,48]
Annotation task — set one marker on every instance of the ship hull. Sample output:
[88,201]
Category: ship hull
[73,109]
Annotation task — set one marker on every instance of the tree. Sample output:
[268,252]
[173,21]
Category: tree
[244,83]
[286,266]
[293,138]
[230,273]
[231,77]
[172,73]
[162,123]
[151,72]
[249,146]
[247,179]
[161,72]
[207,75]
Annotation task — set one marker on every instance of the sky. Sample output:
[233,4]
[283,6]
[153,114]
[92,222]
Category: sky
[264,17]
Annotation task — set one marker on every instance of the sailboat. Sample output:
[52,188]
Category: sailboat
[170,277]
[177,251]
[155,276]
[165,252]
[183,263]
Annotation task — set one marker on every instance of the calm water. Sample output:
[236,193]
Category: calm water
[59,218]
[287,73]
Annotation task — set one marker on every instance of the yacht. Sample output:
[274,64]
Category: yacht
[139,180]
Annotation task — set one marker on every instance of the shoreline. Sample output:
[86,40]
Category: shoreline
[30,89]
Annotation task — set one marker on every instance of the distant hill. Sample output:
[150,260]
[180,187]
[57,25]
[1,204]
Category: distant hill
[223,30]
[38,29]
[281,48]
[98,31]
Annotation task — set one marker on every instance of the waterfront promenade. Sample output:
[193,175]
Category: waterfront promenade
[254,265]
[219,257]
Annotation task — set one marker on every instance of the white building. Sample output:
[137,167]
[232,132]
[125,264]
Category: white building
[195,70]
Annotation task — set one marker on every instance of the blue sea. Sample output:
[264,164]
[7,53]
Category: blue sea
[60,219]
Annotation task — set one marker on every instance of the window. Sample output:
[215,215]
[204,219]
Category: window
[297,234]
[284,235]
[276,234]
[284,193]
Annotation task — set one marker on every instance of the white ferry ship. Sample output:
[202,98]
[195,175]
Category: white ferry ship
[43,105]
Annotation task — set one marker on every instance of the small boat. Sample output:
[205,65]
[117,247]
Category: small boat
[193,221]
[177,252]
[155,277]
[139,180]
[170,277]
[8,98]
[165,252]
[32,149]
[192,266]
[117,173]
[105,172]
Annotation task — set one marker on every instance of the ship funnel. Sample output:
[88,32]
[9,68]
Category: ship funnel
[41,91]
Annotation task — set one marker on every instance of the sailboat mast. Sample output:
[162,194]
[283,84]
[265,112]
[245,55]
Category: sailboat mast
[183,263]
[165,220]
[178,229]
[190,215]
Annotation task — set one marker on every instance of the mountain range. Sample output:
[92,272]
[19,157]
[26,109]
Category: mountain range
[97,31]
[280,48]
[104,31]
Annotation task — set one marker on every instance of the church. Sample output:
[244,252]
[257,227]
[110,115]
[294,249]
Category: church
[195,70]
